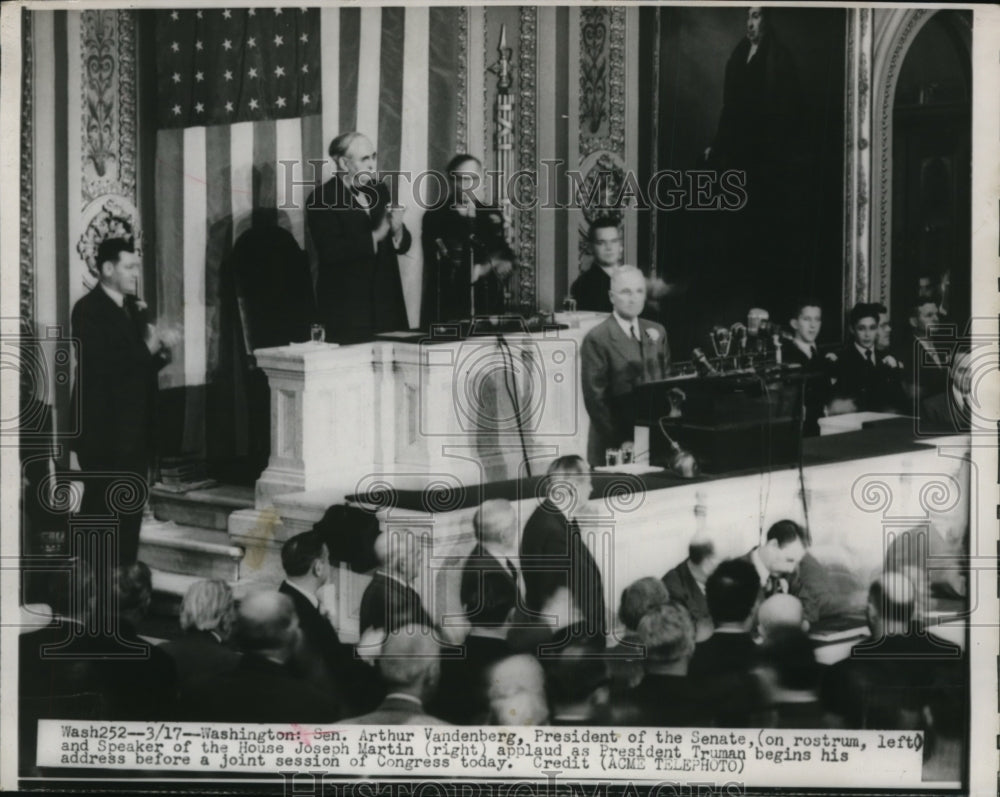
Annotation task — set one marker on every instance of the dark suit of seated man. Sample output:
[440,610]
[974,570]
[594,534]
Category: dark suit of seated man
[206,618]
[619,353]
[884,683]
[686,584]
[323,659]
[722,665]
[262,687]
[869,377]
[665,697]
[409,664]
[784,564]
[389,601]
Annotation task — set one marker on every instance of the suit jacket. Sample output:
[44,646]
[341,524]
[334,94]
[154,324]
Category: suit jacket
[327,663]
[873,685]
[479,566]
[810,583]
[683,589]
[874,389]
[922,378]
[450,242]
[553,555]
[390,604]
[396,711]
[817,386]
[115,387]
[121,688]
[612,364]
[462,695]
[258,690]
[721,669]
[358,288]
[590,290]
[198,655]
[671,701]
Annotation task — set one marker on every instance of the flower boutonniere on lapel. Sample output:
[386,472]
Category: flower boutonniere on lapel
[653,334]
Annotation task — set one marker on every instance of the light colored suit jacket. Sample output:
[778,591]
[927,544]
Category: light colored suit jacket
[612,364]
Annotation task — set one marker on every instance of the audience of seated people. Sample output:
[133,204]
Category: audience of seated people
[276,655]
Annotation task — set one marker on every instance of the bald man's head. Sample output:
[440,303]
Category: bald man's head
[892,604]
[400,552]
[410,661]
[266,623]
[516,691]
[780,611]
[494,522]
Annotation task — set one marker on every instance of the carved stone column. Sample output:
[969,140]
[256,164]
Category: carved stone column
[857,157]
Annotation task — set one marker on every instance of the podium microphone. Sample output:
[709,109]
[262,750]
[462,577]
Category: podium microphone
[699,357]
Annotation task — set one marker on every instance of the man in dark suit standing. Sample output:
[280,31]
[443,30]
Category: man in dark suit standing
[616,355]
[592,288]
[357,233]
[115,390]
[806,321]
[554,553]
[390,601]
[467,260]
[323,659]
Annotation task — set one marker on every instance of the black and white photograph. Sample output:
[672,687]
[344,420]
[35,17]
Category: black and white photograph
[496,398]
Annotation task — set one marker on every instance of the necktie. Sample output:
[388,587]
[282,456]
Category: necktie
[868,357]
[812,352]
[512,570]
[773,586]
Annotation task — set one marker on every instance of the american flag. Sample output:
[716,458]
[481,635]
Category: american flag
[247,103]
[220,66]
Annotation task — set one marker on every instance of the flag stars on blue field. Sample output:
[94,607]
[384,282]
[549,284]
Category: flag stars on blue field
[231,53]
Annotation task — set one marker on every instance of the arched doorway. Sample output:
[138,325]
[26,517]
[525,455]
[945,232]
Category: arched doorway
[931,170]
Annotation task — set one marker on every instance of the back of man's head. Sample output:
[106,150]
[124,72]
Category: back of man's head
[667,634]
[410,661]
[731,592]
[208,606]
[780,612]
[516,691]
[577,683]
[891,604]
[787,531]
[494,522]
[266,624]
[133,590]
[299,552]
[639,598]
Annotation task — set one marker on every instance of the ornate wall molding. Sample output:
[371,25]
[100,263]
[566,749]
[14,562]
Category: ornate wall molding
[857,157]
[27,183]
[527,147]
[893,33]
[461,109]
[601,130]
[108,124]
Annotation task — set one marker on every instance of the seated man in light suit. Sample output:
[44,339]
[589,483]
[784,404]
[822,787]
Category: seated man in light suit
[616,355]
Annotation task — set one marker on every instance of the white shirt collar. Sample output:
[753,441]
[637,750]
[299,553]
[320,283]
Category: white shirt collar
[116,296]
[628,326]
[311,598]
[805,348]
[405,696]
[861,350]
